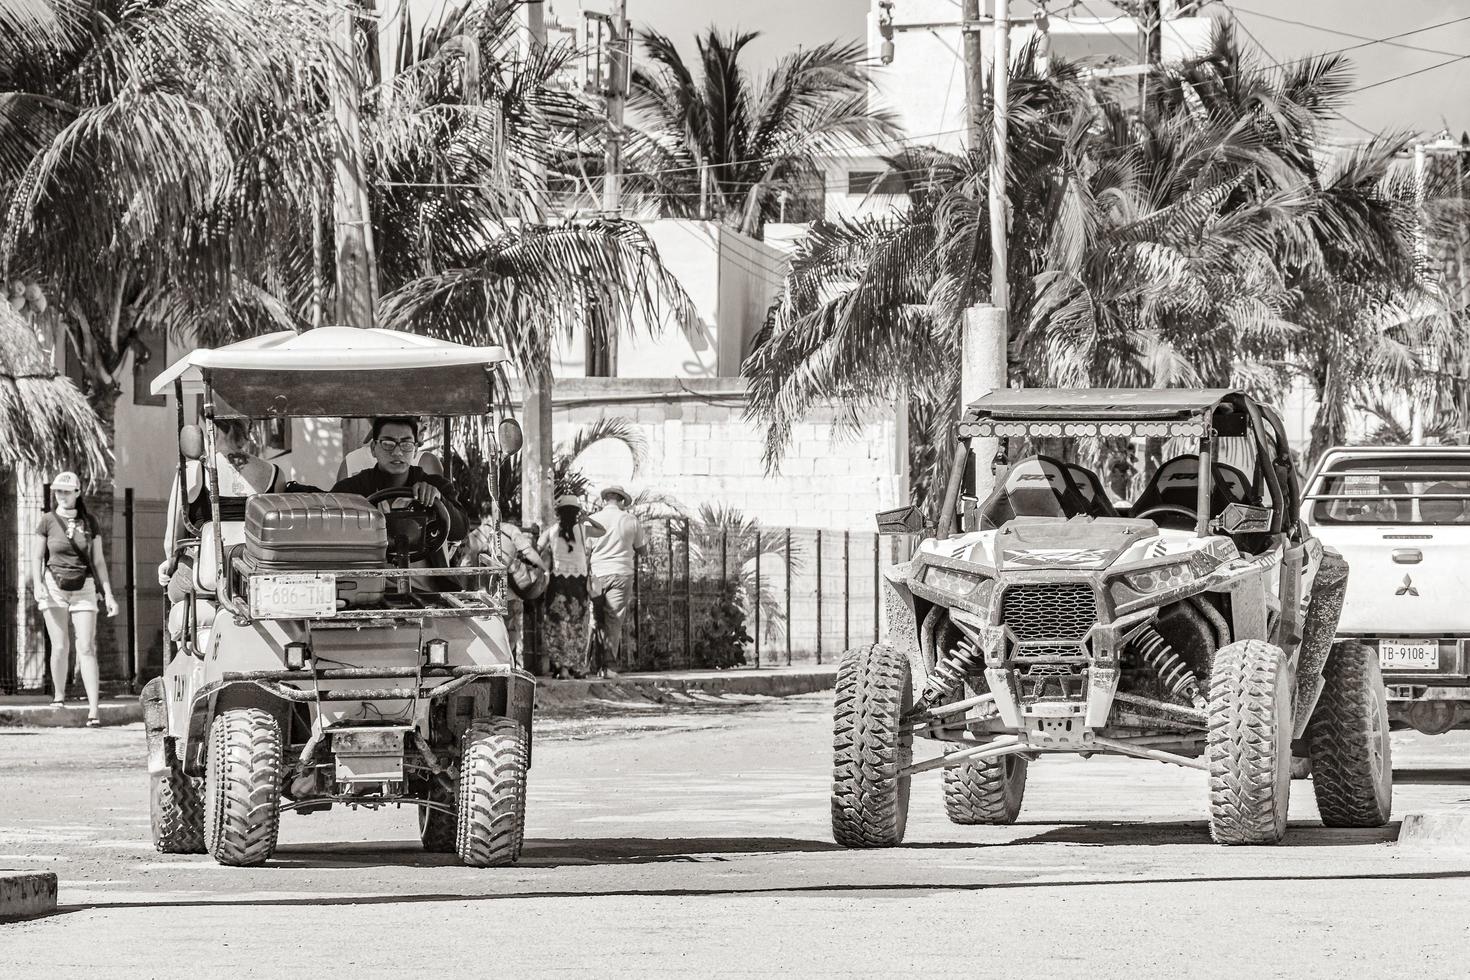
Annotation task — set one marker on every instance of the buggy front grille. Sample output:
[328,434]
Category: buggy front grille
[1049,614]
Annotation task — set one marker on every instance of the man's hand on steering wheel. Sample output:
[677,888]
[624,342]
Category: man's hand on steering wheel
[429,495]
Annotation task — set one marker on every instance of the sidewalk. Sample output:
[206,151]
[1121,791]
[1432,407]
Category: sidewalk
[662,687]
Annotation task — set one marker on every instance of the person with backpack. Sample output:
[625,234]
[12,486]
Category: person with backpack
[67,571]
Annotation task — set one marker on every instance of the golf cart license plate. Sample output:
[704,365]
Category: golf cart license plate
[293,596]
[1408,654]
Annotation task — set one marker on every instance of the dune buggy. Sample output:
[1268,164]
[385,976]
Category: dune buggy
[1191,627]
[323,655]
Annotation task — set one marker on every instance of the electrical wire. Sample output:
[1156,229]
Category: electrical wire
[1367,40]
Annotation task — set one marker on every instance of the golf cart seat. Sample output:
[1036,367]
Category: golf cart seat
[206,577]
[1176,485]
[204,613]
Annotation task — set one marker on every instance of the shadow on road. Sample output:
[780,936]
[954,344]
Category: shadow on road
[1154,834]
[570,851]
[834,888]
[1431,777]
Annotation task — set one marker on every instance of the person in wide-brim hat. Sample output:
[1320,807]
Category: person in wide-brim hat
[611,557]
[615,492]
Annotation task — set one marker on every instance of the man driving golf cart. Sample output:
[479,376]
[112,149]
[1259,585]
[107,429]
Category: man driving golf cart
[313,664]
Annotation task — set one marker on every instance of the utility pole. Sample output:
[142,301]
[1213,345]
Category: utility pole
[538,485]
[356,260]
[1150,45]
[618,56]
[984,340]
[974,48]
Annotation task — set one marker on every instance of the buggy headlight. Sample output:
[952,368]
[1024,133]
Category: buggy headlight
[1160,578]
[963,584]
[436,652]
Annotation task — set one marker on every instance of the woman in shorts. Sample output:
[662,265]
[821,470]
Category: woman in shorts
[68,569]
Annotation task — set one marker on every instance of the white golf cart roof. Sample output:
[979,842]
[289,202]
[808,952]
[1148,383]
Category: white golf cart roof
[344,371]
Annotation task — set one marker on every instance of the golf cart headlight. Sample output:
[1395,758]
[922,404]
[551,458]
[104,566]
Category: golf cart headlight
[964,584]
[297,654]
[436,653]
[1159,579]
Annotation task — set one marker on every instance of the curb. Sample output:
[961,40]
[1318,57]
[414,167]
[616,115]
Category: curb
[1442,831]
[25,894]
[675,689]
[72,716]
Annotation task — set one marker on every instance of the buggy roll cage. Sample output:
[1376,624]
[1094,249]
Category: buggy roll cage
[340,372]
[1205,414]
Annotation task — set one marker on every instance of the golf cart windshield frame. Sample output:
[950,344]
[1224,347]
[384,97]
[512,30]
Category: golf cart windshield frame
[324,383]
[1050,413]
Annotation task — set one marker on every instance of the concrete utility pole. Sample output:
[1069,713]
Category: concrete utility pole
[538,485]
[983,364]
[1150,45]
[618,57]
[357,273]
[974,48]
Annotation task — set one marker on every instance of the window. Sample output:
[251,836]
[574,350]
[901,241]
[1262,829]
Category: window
[861,183]
[150,357]
[1394,490]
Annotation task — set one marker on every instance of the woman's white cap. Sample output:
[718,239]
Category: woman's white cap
[66,480]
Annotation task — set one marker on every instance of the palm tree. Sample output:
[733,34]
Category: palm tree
[45,423]
[723,143]
[1198,244]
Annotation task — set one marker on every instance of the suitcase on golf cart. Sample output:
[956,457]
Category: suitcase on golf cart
[286,532]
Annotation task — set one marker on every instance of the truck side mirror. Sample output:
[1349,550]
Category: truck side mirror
[191,442]
[900,520]
[508,433]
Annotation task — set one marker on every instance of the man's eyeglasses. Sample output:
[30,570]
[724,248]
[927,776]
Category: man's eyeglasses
[398,445]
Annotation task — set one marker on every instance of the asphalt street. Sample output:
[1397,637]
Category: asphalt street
[696,842]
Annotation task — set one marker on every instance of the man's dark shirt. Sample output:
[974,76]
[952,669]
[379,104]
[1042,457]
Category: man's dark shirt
[373,479]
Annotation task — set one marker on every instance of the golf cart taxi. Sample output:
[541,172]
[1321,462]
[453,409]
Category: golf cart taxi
[324,655]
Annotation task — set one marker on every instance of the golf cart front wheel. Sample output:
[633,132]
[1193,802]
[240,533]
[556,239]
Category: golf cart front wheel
[492,793]
[243,787]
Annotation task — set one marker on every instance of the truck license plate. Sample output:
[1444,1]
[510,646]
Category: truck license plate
[1408,654]
[299,596]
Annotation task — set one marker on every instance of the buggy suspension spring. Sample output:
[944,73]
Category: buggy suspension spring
[1173,672]
[949,673]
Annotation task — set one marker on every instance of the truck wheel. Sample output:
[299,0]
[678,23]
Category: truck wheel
[492,793]
[1352,761]
[1249,743]
[870,800]
[176,806]
[985,792]
[243,787]
[438,830]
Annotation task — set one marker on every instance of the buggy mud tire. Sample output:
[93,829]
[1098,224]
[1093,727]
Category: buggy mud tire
[1352,761]
[985,792]
[176,809]
[243,787]
[870,800]
[1249,743]
[438,830]
[492,793]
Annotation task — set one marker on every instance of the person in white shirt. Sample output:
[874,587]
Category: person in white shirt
[564,604]
[616,542]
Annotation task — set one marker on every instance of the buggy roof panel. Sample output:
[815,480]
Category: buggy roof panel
[339,371]
[1095,404]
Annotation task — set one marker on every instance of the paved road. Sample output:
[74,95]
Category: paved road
[696,843]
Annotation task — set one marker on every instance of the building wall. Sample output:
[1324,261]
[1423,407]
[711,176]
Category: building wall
[703,449]
[731,280]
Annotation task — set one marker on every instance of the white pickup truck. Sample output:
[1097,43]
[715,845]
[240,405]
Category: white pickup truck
[1400,515]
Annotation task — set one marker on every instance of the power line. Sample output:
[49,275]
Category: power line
[1366,39]
[1408,74]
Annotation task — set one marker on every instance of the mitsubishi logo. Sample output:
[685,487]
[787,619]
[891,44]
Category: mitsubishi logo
[1407,588]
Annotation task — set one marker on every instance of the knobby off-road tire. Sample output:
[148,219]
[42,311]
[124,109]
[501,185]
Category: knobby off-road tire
[870,800]
[1352,762]
[438,830]
[492,793]
[985,792]
[176,808]
[243,787]
[1249,743]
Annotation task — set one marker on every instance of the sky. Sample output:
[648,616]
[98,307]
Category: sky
[1422,103]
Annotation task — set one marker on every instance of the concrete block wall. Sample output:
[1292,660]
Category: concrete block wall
[703,449]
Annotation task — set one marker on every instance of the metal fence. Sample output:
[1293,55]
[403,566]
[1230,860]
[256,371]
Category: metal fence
[712,597]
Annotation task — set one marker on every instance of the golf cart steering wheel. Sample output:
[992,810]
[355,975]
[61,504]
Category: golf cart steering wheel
[1167,511]
[431,525]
